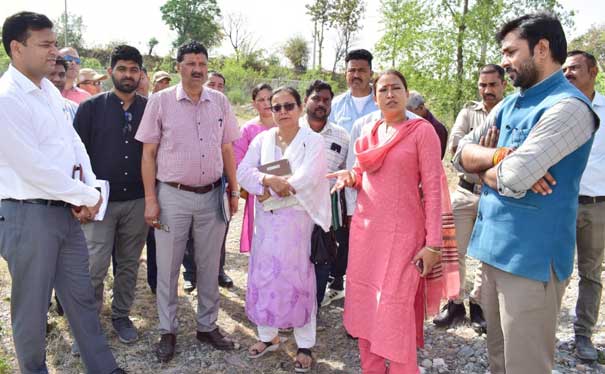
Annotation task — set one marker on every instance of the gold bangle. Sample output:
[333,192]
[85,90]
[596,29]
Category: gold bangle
[353,176]
[433,250]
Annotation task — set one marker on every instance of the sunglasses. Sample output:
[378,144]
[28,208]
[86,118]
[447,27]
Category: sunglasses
[127,129]
[72,59]
[93,83]
[288,107]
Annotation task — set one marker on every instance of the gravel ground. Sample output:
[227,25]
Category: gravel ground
[458,350]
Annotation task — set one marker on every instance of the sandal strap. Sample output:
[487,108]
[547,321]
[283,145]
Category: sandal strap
[267,345]
[305,351]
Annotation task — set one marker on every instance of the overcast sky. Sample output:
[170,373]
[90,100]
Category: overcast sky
[271,21]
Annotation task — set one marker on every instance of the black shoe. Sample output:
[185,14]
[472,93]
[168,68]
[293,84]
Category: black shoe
[188,286]
[225,281]
[166,348]
[584,349]
[451,315]
[477,319]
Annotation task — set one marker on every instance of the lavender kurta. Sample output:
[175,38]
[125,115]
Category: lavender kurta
[391,224]
[281,278]
[240,147]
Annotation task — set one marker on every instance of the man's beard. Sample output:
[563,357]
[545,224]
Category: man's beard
[527,75]
[124,84]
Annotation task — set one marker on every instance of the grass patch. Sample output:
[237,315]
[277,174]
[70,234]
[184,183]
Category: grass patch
[5,367]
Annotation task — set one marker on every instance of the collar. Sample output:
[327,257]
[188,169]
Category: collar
[24,82]
[304,122]
[598,100]
[350,94]
[544,85]
[182,95]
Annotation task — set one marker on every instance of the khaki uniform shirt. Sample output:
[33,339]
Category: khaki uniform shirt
[470,117]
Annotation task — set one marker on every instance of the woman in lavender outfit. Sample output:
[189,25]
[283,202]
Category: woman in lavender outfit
[281,279]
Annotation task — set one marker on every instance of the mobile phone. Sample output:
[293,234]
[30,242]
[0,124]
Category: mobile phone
[419,266]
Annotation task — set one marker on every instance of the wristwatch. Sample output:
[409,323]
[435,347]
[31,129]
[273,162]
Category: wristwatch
[235,193]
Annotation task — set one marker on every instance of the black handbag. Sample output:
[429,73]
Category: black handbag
[324,247]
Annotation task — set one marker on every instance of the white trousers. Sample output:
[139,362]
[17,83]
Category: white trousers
[305,336]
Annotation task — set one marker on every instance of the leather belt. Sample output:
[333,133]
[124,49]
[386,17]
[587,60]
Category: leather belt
[59,203]
[472,187]
[590,199]
[199,190]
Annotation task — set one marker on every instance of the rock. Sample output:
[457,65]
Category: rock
[466,351]
[426,363]
[439,363]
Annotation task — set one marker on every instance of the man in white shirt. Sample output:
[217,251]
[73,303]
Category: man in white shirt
[39,238]
[581,70]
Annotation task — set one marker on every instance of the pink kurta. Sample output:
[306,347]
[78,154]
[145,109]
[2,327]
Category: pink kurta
[240,147]
[391,224]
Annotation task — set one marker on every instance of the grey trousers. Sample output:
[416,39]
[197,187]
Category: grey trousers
[183,212]
[45,248]
[464,209]
[521,316]
[590,231]
[123,225]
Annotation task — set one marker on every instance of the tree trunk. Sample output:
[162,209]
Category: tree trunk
[460,57]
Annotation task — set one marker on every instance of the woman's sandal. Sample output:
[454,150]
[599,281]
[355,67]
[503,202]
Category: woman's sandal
[298,366]
[269,347]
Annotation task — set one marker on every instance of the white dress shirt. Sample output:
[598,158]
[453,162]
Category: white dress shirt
[593,179]
[39,146]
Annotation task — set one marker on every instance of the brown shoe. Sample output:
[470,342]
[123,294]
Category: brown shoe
[165,350]
[216,339]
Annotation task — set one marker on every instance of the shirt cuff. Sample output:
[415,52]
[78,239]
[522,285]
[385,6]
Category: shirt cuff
[503,190]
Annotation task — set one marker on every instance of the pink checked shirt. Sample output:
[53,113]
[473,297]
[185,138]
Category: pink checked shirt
[190,135]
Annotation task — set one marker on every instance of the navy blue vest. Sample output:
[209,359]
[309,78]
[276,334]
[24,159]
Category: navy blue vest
[527,236]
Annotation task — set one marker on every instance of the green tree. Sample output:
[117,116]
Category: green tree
[75,31]
[593,42]
[193,20]
[440,45]
[4,59]
[345,17]
[319,11]
[297,52]
[151,44]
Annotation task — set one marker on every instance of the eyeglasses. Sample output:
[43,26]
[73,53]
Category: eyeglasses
[93,83]
[127,129]
[288,107]
[72,59]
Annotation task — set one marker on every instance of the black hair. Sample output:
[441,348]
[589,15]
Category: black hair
[190,47]
[537,26]
[18,26]
[359,54]
[492,68]
[144,69]
[591,61]
[61,61]
[127,53]
[390,72]
[258,88]
[317,86]
[291,90]
[217,74]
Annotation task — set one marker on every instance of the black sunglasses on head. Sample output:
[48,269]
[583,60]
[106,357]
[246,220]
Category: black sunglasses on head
[288,107]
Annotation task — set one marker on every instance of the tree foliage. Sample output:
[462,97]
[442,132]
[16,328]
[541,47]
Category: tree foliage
[440,45]
[75,31]
[193,20]
[236,30]
[319,11]
[593,42]
[345,17]
[296,51]
[152,43]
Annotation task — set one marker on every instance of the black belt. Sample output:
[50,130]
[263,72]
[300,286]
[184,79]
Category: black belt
[41,202]
[468,185]
[199,190]
[590,199]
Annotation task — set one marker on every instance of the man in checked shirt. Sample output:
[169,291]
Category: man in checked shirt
[526,222]
[318,102]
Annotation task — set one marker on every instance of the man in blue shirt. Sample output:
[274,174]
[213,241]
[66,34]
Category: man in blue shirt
[346,109]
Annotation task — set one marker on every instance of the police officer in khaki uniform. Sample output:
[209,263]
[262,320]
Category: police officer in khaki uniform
[466,197]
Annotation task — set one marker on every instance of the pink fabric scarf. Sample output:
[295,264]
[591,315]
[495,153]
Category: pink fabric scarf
[443,281]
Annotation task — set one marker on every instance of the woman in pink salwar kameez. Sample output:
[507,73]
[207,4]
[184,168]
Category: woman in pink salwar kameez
[261,95]
[396,233]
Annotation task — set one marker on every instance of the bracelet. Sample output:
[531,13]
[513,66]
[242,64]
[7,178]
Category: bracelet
[353,176]
[235,194]
[498,156]
[433,250]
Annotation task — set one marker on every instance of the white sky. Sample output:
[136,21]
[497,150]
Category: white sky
[272,21]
